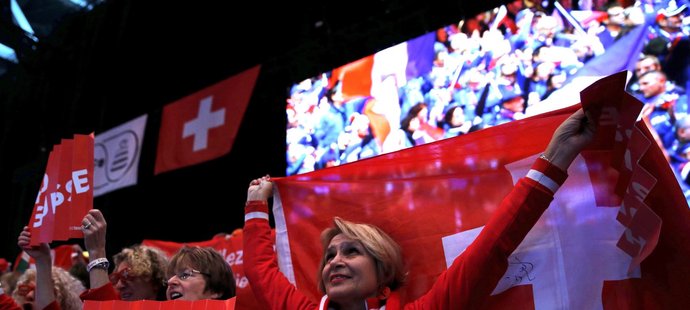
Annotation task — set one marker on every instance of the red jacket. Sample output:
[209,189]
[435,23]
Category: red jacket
[467,283]
[7,303]
[103,293]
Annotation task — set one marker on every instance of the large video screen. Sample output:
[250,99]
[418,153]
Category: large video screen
[493,68]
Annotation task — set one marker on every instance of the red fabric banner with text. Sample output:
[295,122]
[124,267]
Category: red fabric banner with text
[615,236]
[66,192]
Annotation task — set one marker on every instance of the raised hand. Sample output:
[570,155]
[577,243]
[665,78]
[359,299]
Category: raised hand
[38,252]
[260,189]
[45,290]
[94,228]
[570,139]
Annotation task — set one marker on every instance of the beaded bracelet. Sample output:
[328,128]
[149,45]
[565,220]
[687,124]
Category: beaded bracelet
[100,263]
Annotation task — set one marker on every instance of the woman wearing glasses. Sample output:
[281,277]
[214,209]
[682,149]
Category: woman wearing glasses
[46,287]
[65,286]
[139,272]
[142,272]
[197,273]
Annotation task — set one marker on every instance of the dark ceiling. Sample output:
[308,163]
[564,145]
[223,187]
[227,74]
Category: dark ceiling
[92,70]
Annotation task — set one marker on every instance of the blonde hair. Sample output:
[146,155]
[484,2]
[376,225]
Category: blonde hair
[146,262]
[9,280]
[390,269]
[67,288]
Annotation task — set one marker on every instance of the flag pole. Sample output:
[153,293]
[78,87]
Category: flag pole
[570,18]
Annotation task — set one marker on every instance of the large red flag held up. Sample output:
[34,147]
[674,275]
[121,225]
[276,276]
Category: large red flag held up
[614,237]
[228,245]
[203,125]
[66,192]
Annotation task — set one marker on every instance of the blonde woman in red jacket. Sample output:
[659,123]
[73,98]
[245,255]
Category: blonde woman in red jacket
[362,267]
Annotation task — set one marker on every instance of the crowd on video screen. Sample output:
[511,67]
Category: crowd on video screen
[496,67]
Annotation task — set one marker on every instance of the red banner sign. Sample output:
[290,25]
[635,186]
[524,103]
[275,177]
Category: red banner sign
[66,192]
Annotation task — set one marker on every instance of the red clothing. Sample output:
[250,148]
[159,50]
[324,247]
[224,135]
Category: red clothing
[466,284]
[103,293]
[7,303]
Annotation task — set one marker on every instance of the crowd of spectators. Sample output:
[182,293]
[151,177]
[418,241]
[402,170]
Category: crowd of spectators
[492,69]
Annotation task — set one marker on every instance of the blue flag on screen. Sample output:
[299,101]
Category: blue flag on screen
[621,55]
[420,55]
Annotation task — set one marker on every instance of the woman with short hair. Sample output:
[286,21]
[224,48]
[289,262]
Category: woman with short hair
[143,272]
[361,266]
[139,272]
[199,273]
[66,287]
[45,288]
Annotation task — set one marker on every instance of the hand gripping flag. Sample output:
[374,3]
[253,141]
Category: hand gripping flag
[66,192]
[613,238]
[203,125]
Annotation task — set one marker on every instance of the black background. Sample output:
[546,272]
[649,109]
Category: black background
[126,58]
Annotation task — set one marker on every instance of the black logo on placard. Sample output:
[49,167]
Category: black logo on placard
[114,157]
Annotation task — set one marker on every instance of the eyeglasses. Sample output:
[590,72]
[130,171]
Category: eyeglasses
[184,275]
[25,289]
[124,275]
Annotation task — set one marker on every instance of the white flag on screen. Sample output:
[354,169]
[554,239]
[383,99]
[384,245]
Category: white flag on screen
[116,156]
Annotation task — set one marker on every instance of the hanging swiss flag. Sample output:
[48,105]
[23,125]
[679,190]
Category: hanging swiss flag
[614,237]
[203,125]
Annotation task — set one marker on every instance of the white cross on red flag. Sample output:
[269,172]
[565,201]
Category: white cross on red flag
[615,236]
[66,192]
[203,125]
